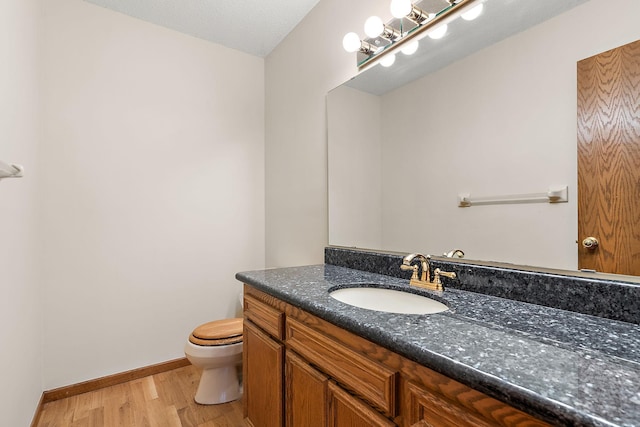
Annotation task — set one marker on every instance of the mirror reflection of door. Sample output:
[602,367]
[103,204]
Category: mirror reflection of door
[609,161]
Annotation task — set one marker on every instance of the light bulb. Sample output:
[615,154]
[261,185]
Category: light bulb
[438,32]
[351,42]
[373,26]
[388,60]
[473,13]
[410,48]
[400,8]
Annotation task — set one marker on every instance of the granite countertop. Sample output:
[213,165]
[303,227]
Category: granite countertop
[564,367]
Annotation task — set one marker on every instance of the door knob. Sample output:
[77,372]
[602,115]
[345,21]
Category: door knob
[590,243]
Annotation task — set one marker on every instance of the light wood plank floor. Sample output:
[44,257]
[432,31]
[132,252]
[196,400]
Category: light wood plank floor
[161,400]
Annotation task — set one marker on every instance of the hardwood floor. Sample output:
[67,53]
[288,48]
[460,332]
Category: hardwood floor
[160,400]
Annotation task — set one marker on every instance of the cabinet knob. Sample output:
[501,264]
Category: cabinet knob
[590,243]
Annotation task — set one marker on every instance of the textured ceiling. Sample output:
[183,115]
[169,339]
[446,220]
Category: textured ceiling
[251,26]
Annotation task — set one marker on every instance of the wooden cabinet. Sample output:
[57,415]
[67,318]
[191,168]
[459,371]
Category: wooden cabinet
[312,400]
[263,364]
[368,379]
[301,370]
[347,410]
[305,393]
[263,378]
[432,399]
[428,409]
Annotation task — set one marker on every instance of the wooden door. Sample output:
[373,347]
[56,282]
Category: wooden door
[306,393]
[263,366]
[609,160]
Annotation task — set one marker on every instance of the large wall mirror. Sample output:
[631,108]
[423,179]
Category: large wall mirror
[490,109]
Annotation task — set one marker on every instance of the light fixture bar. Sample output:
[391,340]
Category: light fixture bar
[391,33]
[427,22]
[419,16]
[367,48]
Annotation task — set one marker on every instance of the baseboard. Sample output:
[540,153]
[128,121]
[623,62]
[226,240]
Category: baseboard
[98,383]
[36,415]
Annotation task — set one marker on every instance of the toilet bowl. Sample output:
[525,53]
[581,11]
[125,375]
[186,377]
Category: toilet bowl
[216,347]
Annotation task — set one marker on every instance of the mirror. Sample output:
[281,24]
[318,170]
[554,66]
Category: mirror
[488,110]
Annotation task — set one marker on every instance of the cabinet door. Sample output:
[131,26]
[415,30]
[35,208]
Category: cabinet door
[372,381]
[306,393]
[348,411]
[263,366]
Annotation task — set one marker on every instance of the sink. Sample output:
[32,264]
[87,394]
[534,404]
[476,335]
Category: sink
[388,300]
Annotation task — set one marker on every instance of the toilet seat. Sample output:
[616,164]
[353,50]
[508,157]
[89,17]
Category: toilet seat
[218,332]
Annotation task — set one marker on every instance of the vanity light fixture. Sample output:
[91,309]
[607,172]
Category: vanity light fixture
[388,60]
[410,23]
[438,32]
[473,13]
[410,48]
[400,8]
[405,9]
[374,27]
[352,43]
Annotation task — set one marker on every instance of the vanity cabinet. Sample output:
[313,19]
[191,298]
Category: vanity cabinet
[427,409]
[371,381]
[301,370]
[347,410]
[306,393]
[313,400]
[263,364]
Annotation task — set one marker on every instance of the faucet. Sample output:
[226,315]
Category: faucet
[454,253]
[424,263]
[425,278]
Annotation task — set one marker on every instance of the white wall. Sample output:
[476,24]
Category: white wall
[502,121]
[20,300]
[152,189]
[298,74]
[354,165]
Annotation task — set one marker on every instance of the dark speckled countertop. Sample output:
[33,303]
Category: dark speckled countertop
[564,367]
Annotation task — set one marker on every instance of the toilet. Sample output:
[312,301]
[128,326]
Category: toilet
[216,347]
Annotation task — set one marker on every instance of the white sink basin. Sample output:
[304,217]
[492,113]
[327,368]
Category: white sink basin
[388,300]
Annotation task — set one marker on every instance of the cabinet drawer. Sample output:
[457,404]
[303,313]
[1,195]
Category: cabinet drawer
[470,409]
[346,410]
[371,381]
[266,317]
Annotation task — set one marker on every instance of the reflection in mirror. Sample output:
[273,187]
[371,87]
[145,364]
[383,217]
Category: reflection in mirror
[501,120]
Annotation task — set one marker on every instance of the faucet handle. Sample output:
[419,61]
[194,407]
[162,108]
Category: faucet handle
[449,274]
[436,277]
[413,268]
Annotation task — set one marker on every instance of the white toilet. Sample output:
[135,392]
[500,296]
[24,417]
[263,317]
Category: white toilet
[216,347]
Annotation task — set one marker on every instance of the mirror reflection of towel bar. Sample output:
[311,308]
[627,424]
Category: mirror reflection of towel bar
[10,171]
[554,195]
